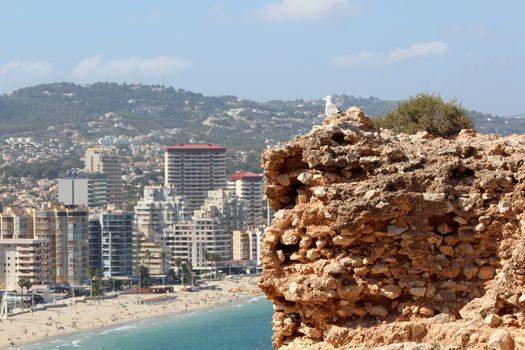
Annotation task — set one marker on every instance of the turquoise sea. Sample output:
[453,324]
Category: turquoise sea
[241,326]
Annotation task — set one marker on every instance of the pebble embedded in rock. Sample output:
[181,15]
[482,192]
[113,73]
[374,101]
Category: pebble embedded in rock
[379,311]
[486,272]
[492,320]
[418,292]
[390,291]
[501,340]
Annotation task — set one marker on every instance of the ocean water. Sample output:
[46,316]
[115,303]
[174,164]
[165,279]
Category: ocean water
[242,326]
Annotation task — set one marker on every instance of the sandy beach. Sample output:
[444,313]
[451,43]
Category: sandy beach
[81,316]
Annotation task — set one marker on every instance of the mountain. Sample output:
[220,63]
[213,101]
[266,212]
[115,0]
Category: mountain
[146,108]
[78,116]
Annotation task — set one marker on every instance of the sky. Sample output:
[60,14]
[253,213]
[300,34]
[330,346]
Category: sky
[274,49]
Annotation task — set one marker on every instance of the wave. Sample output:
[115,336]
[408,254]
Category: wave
[256,299]
[119,329]
[249,301]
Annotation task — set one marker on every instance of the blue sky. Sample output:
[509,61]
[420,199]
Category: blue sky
[282,49]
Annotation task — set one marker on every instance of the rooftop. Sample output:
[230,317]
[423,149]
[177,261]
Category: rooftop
[195,147]
[245,175]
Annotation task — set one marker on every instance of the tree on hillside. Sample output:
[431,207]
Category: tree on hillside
[427,112]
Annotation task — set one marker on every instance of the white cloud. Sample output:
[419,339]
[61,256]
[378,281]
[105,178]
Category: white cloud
[393,56]
[27,67]
[135,67]
[303,10]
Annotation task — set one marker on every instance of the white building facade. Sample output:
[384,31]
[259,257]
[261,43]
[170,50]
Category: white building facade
[22,258]
[247,186]
[193,170]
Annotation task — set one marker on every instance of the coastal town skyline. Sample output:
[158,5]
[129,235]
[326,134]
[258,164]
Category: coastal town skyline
[196,209]
[187,232]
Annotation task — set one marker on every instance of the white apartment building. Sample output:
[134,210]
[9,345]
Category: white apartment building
[193,170]
[246,245]
[23,258]
[210,230]
[83,189]
[158,208]
[247,186]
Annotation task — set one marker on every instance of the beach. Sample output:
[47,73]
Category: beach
[80,316]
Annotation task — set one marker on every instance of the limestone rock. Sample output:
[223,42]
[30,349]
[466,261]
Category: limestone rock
[381,240]
[486,272]
[390,291]
[418,292]
[492,320]
[333,268]
[501,340]
[379,311]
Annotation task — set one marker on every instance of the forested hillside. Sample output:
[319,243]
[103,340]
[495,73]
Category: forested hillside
[145,108]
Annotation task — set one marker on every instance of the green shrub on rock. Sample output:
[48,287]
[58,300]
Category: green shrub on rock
[427,112]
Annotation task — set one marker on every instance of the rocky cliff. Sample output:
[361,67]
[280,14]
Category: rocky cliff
[395,241]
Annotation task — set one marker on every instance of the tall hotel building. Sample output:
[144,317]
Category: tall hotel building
[193,170]
[105,160]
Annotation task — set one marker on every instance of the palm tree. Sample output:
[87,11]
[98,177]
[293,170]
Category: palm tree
[143,276]
[178,262]
[22,284]
[139,270]
[216,258]
[163,261]
[186,271]
[111,282]
[91,275]
[148,256]
[162,264]
[98,275]
[207,257]
[28,284]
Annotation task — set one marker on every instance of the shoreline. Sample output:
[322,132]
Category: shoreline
[84,318]
[162,317]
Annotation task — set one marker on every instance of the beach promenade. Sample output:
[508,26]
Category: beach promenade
[84,316]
